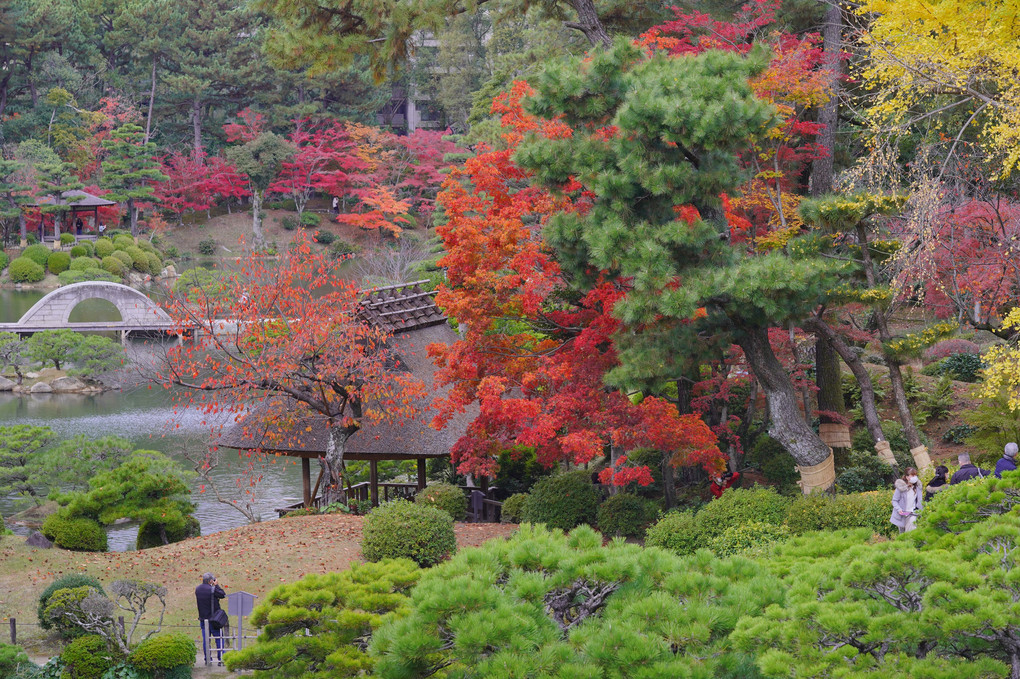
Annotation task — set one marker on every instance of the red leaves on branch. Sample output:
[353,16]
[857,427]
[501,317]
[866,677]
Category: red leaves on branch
[534,355]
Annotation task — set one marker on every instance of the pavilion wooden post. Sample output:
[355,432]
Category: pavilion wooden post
[306,480]
[421,473]
[373,480]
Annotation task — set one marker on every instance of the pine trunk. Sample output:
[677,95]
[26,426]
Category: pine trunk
[132,217]
[152,99]
[828,116]
[588,23]
[196,126]
[787,424]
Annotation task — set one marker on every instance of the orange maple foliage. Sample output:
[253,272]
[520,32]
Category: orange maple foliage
[286,338]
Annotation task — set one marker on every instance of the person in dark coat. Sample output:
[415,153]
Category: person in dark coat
[207,597]
[721,483]
[967,471]
[937,484]
[1007,463]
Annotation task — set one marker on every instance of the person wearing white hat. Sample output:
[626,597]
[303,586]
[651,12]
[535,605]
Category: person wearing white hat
[1007,463]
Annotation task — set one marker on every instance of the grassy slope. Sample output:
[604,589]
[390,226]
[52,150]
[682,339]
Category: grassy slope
[251,558]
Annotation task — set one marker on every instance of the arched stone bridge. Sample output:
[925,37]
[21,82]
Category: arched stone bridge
[137,312]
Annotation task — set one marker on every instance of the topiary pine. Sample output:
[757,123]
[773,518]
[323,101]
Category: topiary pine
[130,169]
[318,626]
[70,581]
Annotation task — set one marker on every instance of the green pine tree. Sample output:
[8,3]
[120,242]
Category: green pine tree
[14,195]
[130,168]
[19,445]
[652,134]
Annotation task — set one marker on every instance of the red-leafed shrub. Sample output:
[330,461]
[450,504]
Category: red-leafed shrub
[949,347]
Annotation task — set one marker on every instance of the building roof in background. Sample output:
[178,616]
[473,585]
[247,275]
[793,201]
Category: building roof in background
[76,199]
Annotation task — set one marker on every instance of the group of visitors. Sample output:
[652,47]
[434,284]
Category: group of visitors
[907,496]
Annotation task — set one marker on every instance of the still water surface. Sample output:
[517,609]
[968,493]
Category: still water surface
[146,418]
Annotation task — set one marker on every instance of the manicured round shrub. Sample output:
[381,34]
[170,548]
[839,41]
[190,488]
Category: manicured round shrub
[113,265]
[624,515]
[562,501]
[84,262]
[677,532]
[324,237]
[81,535]
[79,250]
[162,652]
[147,246]
[90,249]
[31,239]
[207,246]
[87,657]
[124,258]
[405,530]
[25,270]
[104,246]
[123,242]
[155,263]
[821,511]
[310,219]
[37,253]
[149,533]
[738,506]
[446,497]
[513,508]
[66,238]
[139,260]
[4,260]
[70,581]
[748,537]
[58,261]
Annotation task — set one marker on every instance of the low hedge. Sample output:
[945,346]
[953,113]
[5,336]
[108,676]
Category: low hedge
[96,274]
[58,261]
[84,262]
[740,506]
[836,512]
[748,537]
[80,535]
[405,530]
[446,497]
[562,501]
[163,652]
[26,270]
[676,531]
[625,515]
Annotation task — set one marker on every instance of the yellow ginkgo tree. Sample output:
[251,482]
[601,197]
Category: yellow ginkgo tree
[958,57]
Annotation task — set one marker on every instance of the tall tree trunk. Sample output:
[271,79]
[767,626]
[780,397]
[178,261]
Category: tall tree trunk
[152,99]
[132,217]
[196,125]
[588,23]
[856,365]
[787,424]
[832,43]
[917,449]
[3,90]
[256,217]
[828,378]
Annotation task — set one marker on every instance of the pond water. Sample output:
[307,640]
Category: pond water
[145,417]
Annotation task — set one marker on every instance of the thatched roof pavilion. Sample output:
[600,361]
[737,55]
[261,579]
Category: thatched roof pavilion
[410,313]
[78,202]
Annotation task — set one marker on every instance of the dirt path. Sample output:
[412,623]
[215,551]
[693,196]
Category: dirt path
[251,558]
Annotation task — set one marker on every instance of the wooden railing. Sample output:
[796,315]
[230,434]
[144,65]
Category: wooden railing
[481,507]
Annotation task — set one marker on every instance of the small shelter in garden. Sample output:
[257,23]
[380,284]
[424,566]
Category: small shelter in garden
[410,313]
[80,204]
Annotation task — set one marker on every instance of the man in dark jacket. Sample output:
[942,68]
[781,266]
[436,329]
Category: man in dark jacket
[1007,463]
[967,471]
[207,596]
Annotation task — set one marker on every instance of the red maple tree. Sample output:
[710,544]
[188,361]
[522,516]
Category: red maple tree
[287,337]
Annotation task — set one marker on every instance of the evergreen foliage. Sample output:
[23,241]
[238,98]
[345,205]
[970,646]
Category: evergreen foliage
[446,497]
[162,652]
[820,512]
[513,508]
[405,530]
[320,625]
[79,534]
[87,657]
[624,515]
[751,537]
[25,270]
[130,168]
[563,501]
[38,253]
[70,581]
[20,446]
[13,660]
[547,604]
[58,261]
[677,532]
[739,506]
